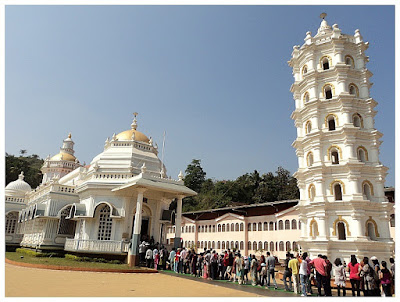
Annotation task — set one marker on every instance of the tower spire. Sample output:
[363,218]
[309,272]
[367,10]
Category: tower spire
[134,123]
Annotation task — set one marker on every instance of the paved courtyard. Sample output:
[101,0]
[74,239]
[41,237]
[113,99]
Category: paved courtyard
[31,282]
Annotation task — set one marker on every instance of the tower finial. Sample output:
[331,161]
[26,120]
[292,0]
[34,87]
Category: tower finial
[322,16]
[69,135]
[21,176]
[134,123]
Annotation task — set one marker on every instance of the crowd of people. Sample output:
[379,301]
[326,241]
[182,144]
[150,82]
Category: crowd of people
[299,272]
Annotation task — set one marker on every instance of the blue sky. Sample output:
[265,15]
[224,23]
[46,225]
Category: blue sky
[215,78]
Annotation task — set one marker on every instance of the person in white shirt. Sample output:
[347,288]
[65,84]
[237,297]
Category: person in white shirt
[149,257]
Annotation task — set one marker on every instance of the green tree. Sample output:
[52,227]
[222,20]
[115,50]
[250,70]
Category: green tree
[195,175]
[30,165]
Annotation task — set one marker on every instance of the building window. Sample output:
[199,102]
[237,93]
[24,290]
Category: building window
[232,227]
[271,246]
[328,92]
[271,226]
[335,156]
[249,227]
[11,222]
[325,62]
[259,226]
[218,244]
[265,226]
[341,231]
[213,228]
[280,224]
[281,246]
[254,226]
[66,226]
[213,245]
[308,127]
[304,70]
[306,97]
[288,246]
[199,229]
[349,61]
[105,223]
[338,191]
[202,229]
[311,192]
[310,159]
[223,227]
[241,245]
[362,154]
[254,246]
[287,224]
[249,245]
[353,90]
[265,245]
[331,123]
[294,224]
[367,190]
[241,227]
[295,247]
[357,120]
[227,227]
[219,228]
[223,245]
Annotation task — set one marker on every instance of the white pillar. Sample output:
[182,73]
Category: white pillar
[178,222]
[133,257]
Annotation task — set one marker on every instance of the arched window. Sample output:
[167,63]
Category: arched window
[280,224]
[259,226]
[254,246]
[311,192]
[331,123]
[213,245]
[202,228]
[198,244]
[334,156]
[371,231]
[287,224]
[353,89]
[325,62]
[337,191]
[223,227]
[271,246]
[281,246]
[241,245]
[313,228]
[349,61]
[362,154]
[223,245]
[186,229]
[294,224]
[209,244]
[249,226]
[232,245]
[237,245]
[218,245]
[11,222]
[310,159]
[205,229]
[232,227]
[254,226]
[328,93]
[213,228]
[341,231]
[271,226]
[308,127]
[265,245]
[249,245]
[202,244]
[227,227]
[304,70]
[306,97]
[392,221]
[105,223]
[288,246]
[260,245]
[219,228]
[357,120]
[367,190]
[66,226]
[237,227]
[265,226]
[295,247]
[209,228]
[241,227]
[227,245]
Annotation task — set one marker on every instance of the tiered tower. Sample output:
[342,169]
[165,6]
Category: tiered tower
[342,205]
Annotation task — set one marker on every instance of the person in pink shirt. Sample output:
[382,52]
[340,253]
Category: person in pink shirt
[320,270]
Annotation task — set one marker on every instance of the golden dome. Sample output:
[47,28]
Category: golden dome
[63,156]
[127,136]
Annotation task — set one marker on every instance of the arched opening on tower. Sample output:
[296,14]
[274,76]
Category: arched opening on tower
[306,97]
[367,191]
[341,228]
[335,157]
[312,192]
[328,92]
[308,127]
[357,120]
[338,191]
[352,89]
[361,155]
[310,159]
[371,231]
[325,64]
[331,123]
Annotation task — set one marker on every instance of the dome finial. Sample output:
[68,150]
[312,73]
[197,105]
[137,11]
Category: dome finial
[69,135]
[322,16]
[134,123]
[21,175]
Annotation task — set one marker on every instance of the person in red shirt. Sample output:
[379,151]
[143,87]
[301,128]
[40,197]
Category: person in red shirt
[354,269]
[320,270]
[226,263]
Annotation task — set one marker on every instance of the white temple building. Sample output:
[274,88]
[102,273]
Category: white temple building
[123,195]
[341,180]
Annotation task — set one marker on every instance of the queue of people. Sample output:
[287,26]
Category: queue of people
[299,271]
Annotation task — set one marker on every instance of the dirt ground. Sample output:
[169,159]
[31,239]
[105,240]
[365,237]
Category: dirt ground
[31,282]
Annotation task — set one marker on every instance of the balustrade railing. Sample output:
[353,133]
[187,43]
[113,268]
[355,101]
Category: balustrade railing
[96,246]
